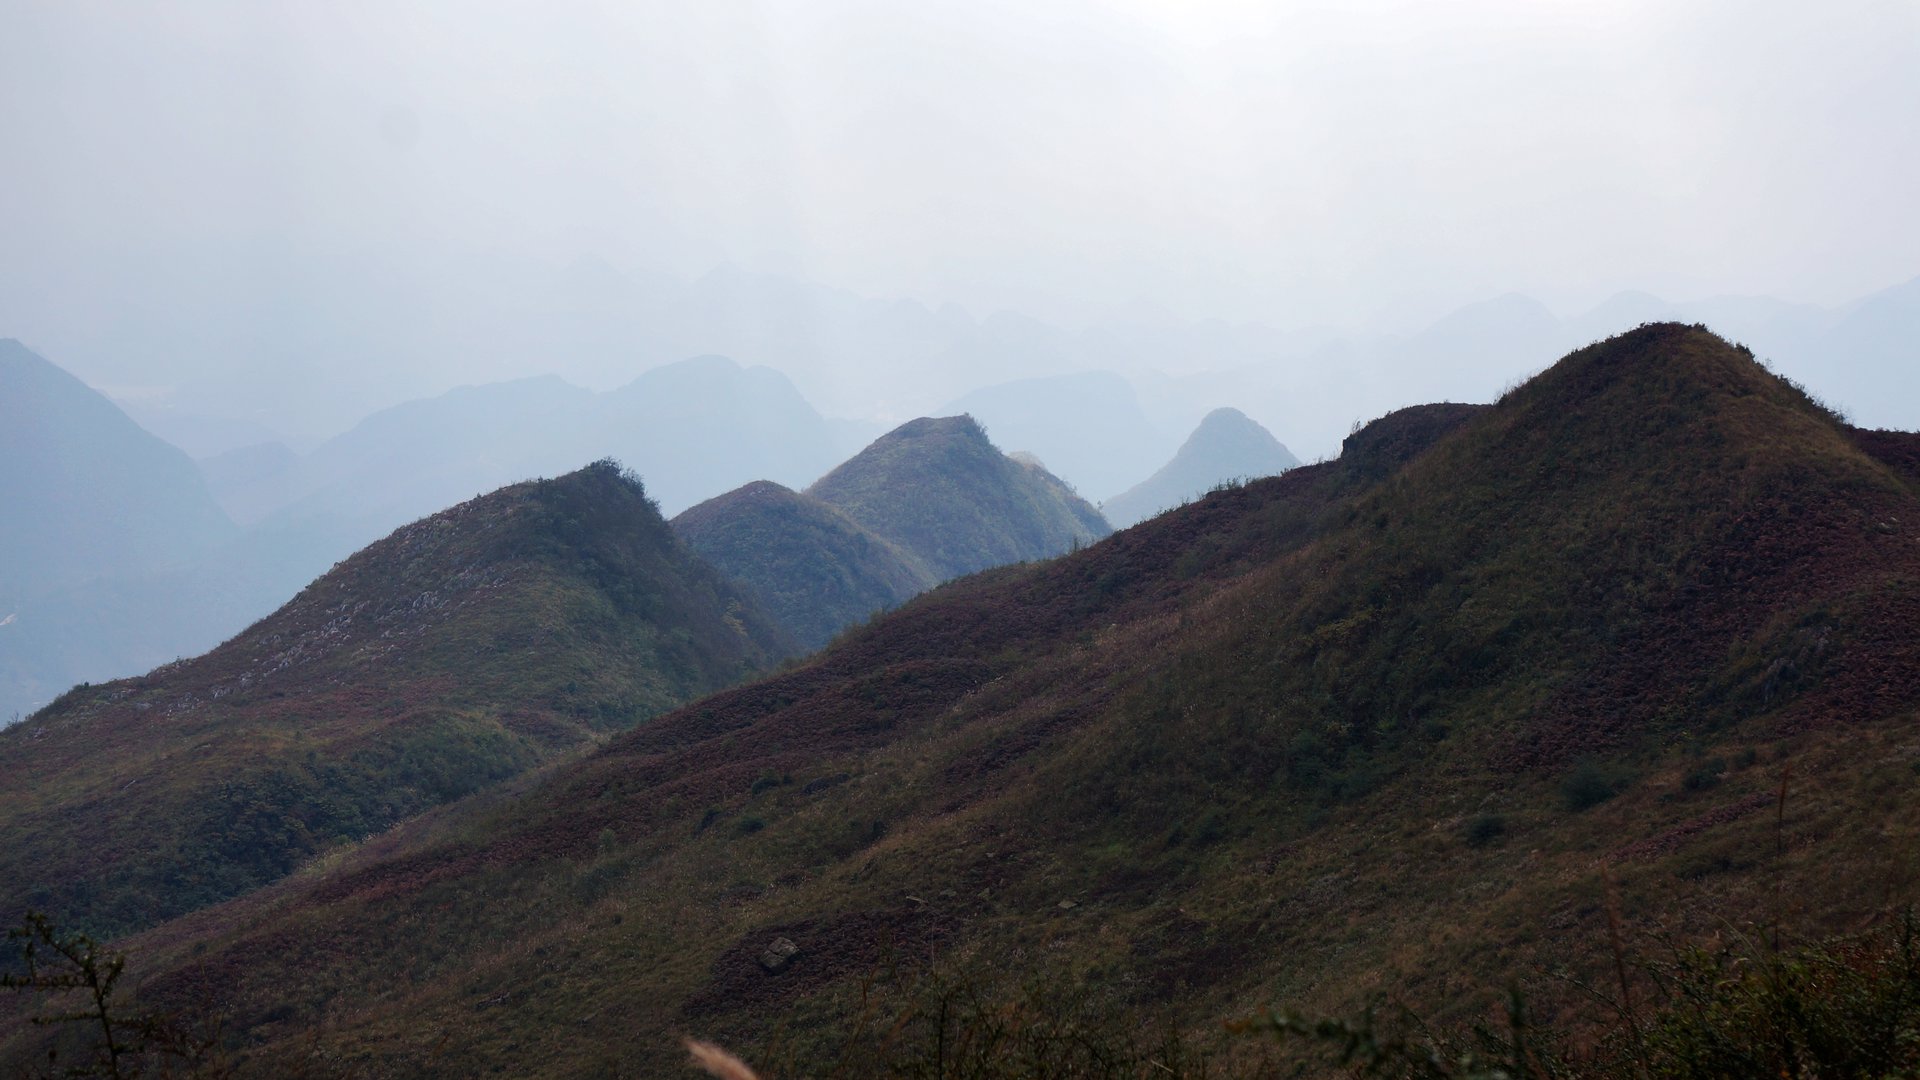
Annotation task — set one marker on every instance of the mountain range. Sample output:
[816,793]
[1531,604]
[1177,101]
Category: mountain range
[457,652]
[691,428]
[933,499]
[400,679]
[123,561]
[1501,685]
[375,340]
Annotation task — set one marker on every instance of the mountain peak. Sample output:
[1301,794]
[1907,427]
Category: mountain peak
[459,650]
[1660,375]
[1227,445]
[963,426]
[938,489]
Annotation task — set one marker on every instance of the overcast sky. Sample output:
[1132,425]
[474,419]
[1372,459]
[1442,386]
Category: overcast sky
[1359,161]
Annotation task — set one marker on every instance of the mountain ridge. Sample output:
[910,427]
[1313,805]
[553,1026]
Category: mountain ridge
[906,485]
[1301,739]
[503,632]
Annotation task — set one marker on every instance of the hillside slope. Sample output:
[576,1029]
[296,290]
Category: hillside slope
[938,490]
[813,569]
[462,649]
[1394,721]
[1226,446]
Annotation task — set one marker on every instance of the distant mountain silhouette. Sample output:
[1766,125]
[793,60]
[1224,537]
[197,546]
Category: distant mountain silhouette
[249,480]
[813,568]
[87,492]
[692,429]
[1873,355]
[939,491]
[1088,427]
[703,426]
[460,650]
[1226,446]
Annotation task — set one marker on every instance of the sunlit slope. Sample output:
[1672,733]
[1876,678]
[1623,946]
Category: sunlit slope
[1376,723]
[462,649]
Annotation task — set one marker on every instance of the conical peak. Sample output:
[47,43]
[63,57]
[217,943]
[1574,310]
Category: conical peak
[962,426]
[1669,369]
[1225,416]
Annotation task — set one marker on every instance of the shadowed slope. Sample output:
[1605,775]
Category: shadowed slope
[462,649]
[815,571]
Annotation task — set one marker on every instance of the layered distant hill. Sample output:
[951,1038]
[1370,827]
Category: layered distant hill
[938,489]
[931,500]
[86,495]
[692,429]
[1425,720]
[133,565]
[813,568]
[86,492]
[1226,446]
[460,650]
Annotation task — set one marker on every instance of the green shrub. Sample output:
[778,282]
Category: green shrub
[1485,829]
[1591,783]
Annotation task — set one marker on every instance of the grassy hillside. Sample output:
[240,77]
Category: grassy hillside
[461,650]
[813,569]
[938,490]
[1426,720]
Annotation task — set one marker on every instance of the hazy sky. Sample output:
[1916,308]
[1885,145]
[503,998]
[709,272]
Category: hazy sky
[1347,160]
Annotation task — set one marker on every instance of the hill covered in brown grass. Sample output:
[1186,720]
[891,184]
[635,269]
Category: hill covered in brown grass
[1391,723]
